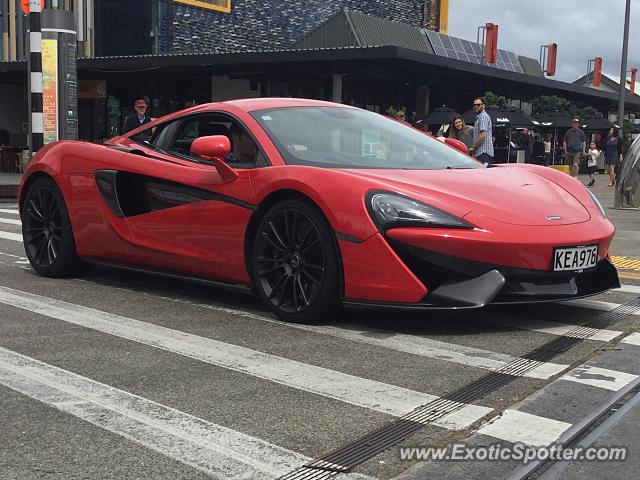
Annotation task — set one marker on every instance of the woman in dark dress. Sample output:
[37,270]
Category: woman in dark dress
[612,154]
[461,131]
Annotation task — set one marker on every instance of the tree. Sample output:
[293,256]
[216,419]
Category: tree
[548,104]
[496,102]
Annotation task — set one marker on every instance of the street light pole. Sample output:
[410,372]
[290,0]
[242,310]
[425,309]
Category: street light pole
[35,77]
[623,65]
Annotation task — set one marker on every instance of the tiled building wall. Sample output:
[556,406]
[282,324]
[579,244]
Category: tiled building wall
[270,24]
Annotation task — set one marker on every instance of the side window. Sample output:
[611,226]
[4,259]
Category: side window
[176,138]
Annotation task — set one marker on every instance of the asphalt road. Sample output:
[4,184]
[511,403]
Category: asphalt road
[120,375]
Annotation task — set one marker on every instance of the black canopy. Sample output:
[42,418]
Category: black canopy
[553,120]
[509,117]
[440,116]
[597,123]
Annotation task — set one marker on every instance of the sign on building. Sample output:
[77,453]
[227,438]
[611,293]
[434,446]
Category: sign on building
[219,5]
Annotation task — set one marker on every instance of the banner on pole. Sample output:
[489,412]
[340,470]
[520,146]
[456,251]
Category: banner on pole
[50,89]
[24,4]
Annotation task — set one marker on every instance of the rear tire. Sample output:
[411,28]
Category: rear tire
[46,232]
[294,263]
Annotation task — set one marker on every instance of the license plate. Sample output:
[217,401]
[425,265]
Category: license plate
[575,258]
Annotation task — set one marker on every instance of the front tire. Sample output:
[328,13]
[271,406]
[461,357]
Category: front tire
[294,262]
[46,231]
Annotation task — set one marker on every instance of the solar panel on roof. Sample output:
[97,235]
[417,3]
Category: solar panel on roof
[467,51]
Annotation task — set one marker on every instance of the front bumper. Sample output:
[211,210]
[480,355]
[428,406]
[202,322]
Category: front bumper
[455,283]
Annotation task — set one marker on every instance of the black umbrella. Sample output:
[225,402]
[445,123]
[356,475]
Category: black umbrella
[553,120]
[508,117]
[597,123]
[440,116]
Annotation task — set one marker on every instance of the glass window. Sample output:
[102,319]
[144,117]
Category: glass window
[336,137]
[176,137]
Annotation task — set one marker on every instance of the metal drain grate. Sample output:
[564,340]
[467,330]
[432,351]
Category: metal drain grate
[347,457]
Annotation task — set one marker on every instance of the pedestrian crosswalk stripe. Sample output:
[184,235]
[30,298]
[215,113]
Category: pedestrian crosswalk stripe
[629,289]
[365,393]
[593,304]
[599,377]
[16,237]
[552,328]
[633,339]
[216,450]
[10,211]
[520,427]
[414,344]
[10,221]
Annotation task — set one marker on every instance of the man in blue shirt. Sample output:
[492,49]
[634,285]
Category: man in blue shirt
[482,147]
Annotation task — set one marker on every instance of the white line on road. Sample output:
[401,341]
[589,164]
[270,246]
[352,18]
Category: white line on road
[365,393]
[515,426]
[10,221]
[595,305]
[412,344]
[599,377]
[628,289]
[213,449]
[552,328]
[16,237]
[9,211]
[633,339]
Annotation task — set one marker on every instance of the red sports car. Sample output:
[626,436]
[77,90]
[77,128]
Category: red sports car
[310,205]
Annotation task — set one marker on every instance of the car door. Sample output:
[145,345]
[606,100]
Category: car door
[182,215]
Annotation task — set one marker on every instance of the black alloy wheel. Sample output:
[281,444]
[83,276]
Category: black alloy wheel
[294,262]
[46,231]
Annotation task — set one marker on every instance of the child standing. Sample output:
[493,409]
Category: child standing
[592,162]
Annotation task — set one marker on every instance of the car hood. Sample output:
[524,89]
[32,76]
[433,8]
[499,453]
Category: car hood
[509,195]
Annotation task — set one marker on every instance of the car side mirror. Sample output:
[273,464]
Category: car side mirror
[457,144]
[214,149]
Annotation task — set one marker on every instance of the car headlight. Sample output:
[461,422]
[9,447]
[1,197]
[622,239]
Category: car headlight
[598,204]
[394,210]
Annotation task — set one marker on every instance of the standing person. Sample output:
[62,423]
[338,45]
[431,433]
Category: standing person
[527,145]
[612,154]
[547,150]
[592,163]
[139,118]
[461,131]
[538,151]
[575,147]
[482,147]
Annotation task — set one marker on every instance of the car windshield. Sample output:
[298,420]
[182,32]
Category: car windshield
[338,137]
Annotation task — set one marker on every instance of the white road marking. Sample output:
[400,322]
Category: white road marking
[595,305]
[10,221]
[633,339]
[515,426]
[16,237]
[216,450]
[416,345]
[365,393]
[552,328]
[10,211]
[628,289]
[599,377]
[13,256]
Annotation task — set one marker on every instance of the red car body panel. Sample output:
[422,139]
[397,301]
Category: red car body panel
[507,205]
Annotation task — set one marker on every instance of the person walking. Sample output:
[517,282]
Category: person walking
[592,163]
[575,147]
[459,130]
[139,118]
[482,147]
[612,154]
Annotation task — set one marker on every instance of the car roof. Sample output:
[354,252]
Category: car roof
[252,104]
